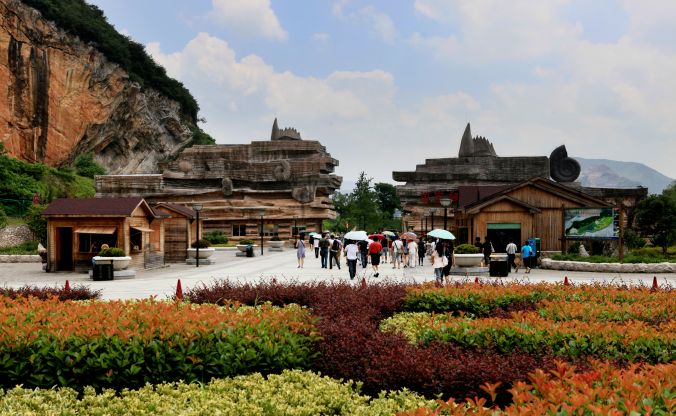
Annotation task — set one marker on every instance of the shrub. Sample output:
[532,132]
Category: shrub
[216,237]
[76,292]
[632,239]
[574,248]
[37,223]
[3,217]
[126,344]
[467,249]
[292,392]
[201,244]
[246,242]
[112,252]
[275,238]
[87,167]
[29,247]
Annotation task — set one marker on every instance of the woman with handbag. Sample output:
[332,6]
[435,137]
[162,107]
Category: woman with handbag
[439,260]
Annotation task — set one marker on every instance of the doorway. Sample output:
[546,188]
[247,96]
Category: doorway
[501,234]
[64,251]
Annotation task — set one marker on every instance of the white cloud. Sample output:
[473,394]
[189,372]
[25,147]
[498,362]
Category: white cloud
[321,38]
[253,17]
[381,24]
[491,30]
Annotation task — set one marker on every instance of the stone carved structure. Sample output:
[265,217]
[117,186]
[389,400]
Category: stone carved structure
[286,177]
[478,173]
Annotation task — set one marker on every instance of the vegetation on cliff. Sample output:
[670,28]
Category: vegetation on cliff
[88,22]
[20,180]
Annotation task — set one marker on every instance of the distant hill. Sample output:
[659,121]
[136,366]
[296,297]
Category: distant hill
[605,173]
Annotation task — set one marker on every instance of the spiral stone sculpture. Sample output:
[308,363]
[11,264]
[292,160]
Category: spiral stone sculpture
[561,167]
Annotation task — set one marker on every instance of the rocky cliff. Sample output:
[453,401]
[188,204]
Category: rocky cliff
[64,98]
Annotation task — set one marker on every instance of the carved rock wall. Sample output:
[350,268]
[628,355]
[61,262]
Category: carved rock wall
[63,98]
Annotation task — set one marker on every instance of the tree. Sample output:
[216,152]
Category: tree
[37,223]
[388,200]
[656,219]
[87,167]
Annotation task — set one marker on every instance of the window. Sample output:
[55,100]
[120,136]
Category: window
[239,230]
[91,243]
[135,239]
[297,230]
[270,229]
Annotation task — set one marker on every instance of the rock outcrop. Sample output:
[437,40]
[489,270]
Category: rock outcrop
[64,98]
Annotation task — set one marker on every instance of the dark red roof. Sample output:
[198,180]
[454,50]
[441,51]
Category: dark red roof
[94,206]
[470,194]
[181,209]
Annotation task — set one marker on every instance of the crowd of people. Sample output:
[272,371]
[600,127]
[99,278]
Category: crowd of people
[406,252]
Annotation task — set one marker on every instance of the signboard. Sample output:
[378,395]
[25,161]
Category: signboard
[591,224]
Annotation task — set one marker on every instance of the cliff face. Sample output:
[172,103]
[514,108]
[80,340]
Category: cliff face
[64,98]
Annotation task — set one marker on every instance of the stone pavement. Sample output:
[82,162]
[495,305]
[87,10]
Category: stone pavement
[281,266]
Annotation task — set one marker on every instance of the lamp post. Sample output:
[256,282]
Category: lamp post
[397,216]
[432,218]
[262,213]
[197,208]
[445,202]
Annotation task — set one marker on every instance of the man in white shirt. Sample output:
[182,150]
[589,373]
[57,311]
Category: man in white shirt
[315,245]
[398,246]
[511,255]
[351,253]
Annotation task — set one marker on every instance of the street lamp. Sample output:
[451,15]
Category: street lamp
[262,213]
[431,211]
[445,202]
[197,208]
[397,216]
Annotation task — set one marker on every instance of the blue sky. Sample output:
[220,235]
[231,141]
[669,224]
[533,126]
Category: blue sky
[385,84]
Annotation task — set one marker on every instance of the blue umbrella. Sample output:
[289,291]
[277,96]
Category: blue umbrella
[443,234]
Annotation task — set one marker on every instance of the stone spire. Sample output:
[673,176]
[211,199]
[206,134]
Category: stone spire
[466,144]
[477,146]
[288,133]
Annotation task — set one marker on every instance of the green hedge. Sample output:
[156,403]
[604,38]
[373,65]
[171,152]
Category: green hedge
[472,303]
[288,393]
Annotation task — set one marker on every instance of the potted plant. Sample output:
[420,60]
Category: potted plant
[467,255]
[116,255]
[276,242]
[243,244]
[205,249]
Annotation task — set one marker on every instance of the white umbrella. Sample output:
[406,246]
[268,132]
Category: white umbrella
[390,233]
[443,234]
[356,235]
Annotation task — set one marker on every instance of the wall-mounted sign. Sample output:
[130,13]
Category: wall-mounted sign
[591,224]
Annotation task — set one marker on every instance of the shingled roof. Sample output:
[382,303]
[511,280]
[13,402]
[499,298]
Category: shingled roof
[123,206]
[181,209]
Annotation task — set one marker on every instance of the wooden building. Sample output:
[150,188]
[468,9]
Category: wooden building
[179,230]
[77,228]
[482,194]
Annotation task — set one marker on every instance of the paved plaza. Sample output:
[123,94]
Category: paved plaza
[281,266]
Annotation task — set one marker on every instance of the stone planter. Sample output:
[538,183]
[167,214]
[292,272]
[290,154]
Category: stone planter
[468,260]
[119,263]
[205,253]
[276,244]
[242,247]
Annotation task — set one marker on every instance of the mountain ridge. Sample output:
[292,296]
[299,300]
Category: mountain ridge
[607,173]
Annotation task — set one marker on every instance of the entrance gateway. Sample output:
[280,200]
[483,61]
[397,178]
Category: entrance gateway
[501,233]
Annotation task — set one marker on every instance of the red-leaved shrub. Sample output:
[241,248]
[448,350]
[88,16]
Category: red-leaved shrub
[77,292]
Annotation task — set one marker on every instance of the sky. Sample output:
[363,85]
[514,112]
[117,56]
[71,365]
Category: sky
[385,84]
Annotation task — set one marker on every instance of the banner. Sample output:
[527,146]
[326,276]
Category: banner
[591,224]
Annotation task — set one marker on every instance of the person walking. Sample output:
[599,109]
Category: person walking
[363,252]
[511,255]
[375,250]
[404,253]
[315,245]
[334,252]
[351,253]
[422,249]
[438,263]
[526,256]
[412,253]
[324,250]
[487,249]
[448,253]
[397,252]
[300,250]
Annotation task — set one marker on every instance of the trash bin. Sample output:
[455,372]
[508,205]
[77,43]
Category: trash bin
[103,270]
[498,268]
[249,250]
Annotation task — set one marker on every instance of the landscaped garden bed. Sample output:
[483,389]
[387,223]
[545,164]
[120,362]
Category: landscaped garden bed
[508,348]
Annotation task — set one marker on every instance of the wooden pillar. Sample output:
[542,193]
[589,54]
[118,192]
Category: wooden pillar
[621,248]
[563,229]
